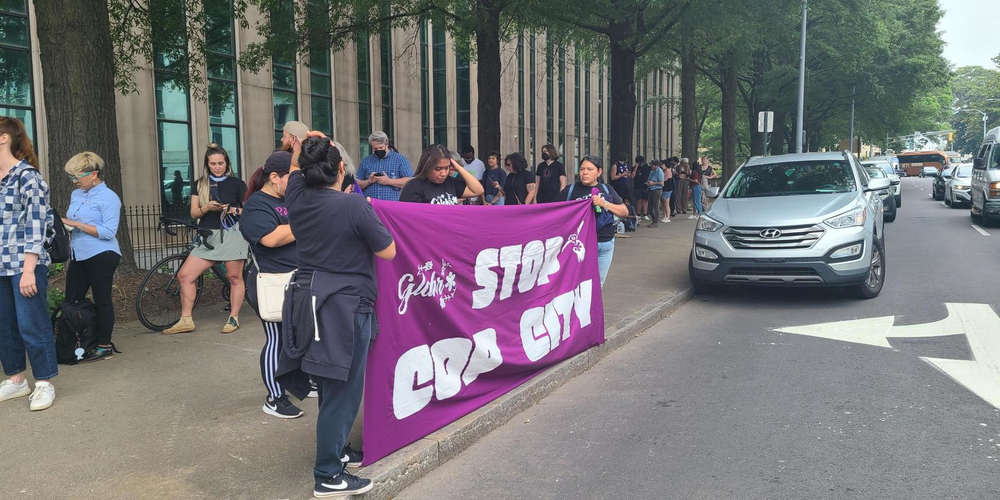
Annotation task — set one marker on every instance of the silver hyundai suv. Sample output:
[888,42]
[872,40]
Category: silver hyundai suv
[812,219]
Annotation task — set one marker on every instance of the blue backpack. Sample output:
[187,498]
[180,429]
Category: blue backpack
[604,217]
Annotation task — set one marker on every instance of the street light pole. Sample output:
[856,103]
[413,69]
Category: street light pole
[799,132]
[985,117]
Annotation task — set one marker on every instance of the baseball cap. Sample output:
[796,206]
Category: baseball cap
[278,162]
[298,129]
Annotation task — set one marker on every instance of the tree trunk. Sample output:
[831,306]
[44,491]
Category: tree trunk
[488,68]
[622,109]
[777,139]
[729,94]
[74,39]
[689,119]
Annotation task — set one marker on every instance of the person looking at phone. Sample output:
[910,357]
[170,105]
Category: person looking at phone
[493,180]
[384,172]
[216,203]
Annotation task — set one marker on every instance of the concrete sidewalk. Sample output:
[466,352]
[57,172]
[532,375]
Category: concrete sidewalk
[180,416]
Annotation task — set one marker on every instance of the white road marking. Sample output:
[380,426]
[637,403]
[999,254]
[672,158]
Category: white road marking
[980,230]
[978,322]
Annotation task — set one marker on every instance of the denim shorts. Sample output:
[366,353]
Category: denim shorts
[666,195]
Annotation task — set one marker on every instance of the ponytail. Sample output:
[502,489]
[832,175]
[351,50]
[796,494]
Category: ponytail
[20,145]
[257,181]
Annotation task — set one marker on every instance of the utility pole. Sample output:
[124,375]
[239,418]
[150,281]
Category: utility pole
[799,129]
[854,90]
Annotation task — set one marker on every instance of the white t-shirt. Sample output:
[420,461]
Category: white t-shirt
[475,167]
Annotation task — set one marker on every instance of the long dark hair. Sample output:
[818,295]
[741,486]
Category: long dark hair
[20,144]
[429,159]
[317,170]
[552,151]
[517,162]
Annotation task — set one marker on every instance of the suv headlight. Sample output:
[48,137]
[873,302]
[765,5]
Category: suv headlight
[706,223]
[853,218]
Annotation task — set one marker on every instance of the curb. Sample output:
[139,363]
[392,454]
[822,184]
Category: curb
[397,471]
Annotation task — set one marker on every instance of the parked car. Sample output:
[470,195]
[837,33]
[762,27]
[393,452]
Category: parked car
[888,200]
[937,187]
[897,188]
[929,172]
[986,179]
[958,189]
[893,160]
[812,219]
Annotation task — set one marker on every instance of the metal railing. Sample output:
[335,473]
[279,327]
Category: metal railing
[150,242]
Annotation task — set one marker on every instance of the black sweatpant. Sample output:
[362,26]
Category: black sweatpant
[269,358]
[96,274]
[654,205]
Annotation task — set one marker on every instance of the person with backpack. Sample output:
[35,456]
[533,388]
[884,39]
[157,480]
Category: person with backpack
[93,214]
[26,328]
[607,204]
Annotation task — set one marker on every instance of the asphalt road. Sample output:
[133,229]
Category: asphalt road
[714,403]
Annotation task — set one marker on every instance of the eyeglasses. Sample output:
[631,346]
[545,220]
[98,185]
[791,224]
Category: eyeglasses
[77,177]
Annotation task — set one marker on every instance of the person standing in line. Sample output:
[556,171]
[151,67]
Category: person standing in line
[683,187]
[550,175]
[695,180]
[655,189]
[265,227]
[93,215]
[620,176]
[383,173]
[641,187]
[216,203]
[669,184]
[474,165]
[493,180]
[607,204]
[26,327]
[434,183]
[329,305]
[519,188]
[292,131]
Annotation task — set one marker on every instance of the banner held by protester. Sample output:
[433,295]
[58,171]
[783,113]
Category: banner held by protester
[477,301]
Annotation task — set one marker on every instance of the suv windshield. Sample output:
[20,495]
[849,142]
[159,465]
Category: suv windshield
[793,178]
[875,172]
[962,172]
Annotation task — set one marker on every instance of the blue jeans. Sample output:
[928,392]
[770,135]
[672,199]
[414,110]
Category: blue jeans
[26,327]
[696,198]
[491,197]
[605,251]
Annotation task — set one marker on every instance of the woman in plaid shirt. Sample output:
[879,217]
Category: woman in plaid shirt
[25,326]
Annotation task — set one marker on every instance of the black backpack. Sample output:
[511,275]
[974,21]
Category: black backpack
[56,237]
[75,327]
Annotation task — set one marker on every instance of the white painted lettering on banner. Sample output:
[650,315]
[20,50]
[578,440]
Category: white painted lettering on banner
[538,263]
[543,328]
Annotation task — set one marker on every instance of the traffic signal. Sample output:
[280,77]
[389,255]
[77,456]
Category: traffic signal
[951,137]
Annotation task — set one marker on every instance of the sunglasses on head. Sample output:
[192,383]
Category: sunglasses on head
[77,177]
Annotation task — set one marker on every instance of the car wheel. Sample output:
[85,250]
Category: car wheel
[947,200]
[872,286]
[890,214]
[977,217]
[700,287]
[899,201]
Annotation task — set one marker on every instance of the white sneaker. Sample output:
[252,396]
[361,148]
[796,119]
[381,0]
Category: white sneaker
[692,217]
[645,217]
[43,397]
[664,220]
[10,390]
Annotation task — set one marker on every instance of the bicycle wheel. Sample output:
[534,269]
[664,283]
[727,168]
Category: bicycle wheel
[158,301]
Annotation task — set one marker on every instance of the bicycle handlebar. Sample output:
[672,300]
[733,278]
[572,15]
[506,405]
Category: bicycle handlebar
[166,224]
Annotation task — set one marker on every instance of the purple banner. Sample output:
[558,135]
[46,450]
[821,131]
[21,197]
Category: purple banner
[478,300]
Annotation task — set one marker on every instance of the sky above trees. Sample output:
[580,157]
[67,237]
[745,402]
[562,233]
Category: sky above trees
[970,31]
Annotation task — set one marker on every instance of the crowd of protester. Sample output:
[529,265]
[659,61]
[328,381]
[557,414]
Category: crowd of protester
[306,213]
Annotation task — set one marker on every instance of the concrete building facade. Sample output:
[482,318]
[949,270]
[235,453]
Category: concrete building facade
[411,83]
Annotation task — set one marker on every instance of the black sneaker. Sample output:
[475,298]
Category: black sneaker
[99,353]
[313,390]
[352,457]
[281,408]
[342,485]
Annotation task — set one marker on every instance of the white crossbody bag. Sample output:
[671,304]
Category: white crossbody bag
[270,293]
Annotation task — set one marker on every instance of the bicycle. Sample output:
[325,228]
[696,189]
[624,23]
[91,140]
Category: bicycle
[158,301]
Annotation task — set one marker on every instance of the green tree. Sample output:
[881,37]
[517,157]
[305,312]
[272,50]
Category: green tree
[974,87]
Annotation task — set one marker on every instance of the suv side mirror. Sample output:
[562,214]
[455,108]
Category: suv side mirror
[978,163]
[879,184]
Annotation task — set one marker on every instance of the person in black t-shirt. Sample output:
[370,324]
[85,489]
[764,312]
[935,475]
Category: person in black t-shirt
[639,188]
[550,175]
[440,180]
[494,177]
[519,187]
[216,203]
[591,171]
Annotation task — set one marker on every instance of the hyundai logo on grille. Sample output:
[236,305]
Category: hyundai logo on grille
[770,233]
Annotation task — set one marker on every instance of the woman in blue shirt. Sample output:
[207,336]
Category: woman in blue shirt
[94,211]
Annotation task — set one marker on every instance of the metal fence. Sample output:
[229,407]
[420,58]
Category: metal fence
[150,242]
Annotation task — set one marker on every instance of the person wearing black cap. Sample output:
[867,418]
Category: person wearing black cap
[265,227]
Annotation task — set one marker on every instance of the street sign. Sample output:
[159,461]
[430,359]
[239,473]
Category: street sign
[978,322]
[765,121]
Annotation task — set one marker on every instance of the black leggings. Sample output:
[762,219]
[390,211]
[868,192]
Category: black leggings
[654,205]
[96,274]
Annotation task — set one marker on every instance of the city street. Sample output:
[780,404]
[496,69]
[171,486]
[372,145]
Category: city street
[714,402]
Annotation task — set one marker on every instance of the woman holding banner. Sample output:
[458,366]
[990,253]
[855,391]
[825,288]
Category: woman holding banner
[606,202]
[328,310]
[440,180]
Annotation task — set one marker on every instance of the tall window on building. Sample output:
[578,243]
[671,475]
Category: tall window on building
[586,110]
[173,113]
[321,90]
[463,100]
[645,118]
[385,59]
[16,96]
[533,125]
[284,80]
[520,93]
[670,115]
[549,93]
[364,93]
[600,115]
[577,143]
[562,102]
[440,86]
[425,111]
[223,103]
[656,115]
